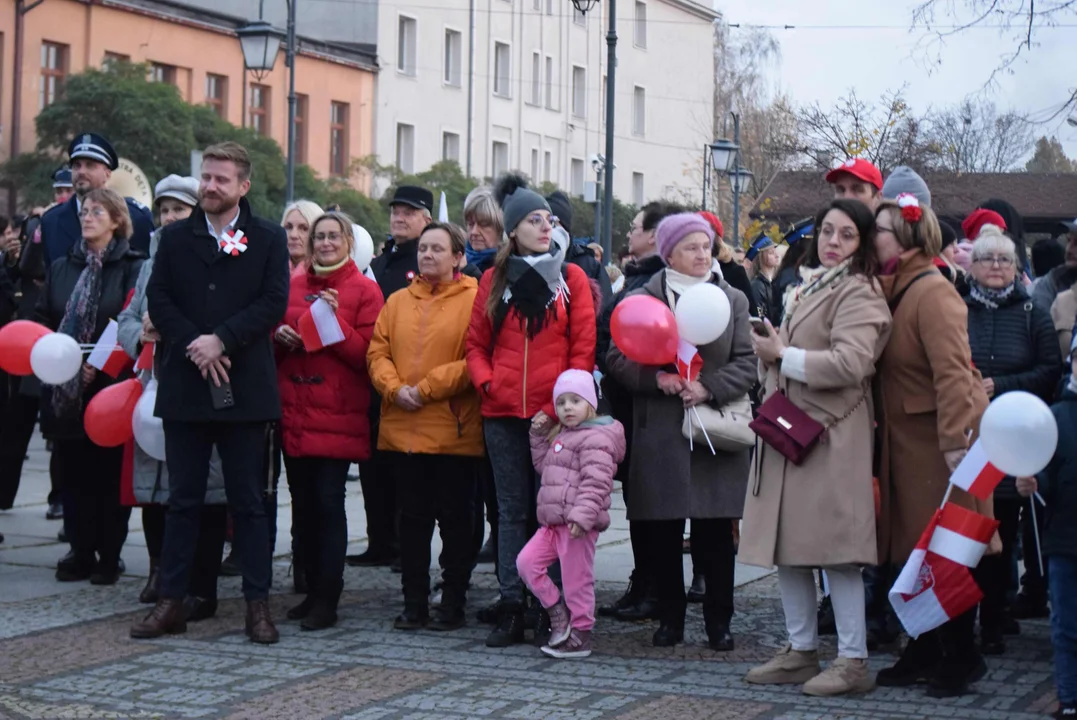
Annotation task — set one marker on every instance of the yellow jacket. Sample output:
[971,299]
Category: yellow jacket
[420,340]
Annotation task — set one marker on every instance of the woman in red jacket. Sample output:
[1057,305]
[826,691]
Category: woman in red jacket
[325,394]
[533,318]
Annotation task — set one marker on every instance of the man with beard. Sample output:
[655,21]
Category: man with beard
[218,290]
[92,161]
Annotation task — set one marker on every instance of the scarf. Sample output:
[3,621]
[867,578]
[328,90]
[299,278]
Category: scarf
[989,297]
[80,321]
[479,258]
[324,270]
[678,282]
[535,284]
[812,280]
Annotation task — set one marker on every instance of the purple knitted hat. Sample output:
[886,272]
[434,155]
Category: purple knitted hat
[675,228]
[580,382]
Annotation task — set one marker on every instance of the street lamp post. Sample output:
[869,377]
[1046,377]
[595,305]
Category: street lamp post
[261,43]
[724,158]
[611,66]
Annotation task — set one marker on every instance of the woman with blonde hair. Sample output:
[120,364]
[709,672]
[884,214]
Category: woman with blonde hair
[297,221]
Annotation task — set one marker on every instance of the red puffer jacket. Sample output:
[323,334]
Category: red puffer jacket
[325,395]
[522,371]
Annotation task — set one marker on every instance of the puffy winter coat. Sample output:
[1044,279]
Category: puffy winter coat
[577,471]
[521,370]
[325,395]
[420,340]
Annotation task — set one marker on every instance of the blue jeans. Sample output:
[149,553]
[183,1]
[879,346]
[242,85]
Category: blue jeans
[1063,589]
[509,448]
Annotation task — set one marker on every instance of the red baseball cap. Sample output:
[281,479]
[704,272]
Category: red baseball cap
[859,168]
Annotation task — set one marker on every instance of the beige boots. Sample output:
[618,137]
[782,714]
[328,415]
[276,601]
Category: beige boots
[789,666]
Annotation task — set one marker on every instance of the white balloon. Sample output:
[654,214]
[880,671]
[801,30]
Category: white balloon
[362,248]
[703,313]
[56,358]
[1019,434]
[149,429]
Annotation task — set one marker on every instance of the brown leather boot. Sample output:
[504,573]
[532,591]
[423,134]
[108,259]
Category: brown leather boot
[260,628]
[166,618]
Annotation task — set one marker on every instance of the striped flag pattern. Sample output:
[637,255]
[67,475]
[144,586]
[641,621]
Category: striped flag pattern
[976,475]
[319,328]
[107,356]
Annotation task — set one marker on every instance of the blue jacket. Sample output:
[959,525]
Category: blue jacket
[1058,482]
[61,229]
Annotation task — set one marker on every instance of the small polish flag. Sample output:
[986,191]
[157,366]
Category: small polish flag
[975,475]
[107,356]
[689,363]
[319,328]
[936,584]
[145,358]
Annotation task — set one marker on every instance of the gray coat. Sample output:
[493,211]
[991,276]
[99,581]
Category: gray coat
[668,480]
[150,475]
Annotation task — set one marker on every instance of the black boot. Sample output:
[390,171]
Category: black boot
[301,610]
[414,617]
[1028,605]
[918,663]
[510,626]
[991,641]
[668,635]
[698,590]
[449,615]
[632,596]
[299,579]
[542,628]
[489,614]
[956,674]
[323,614]
[148,596]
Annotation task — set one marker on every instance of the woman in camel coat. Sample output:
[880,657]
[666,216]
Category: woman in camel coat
[930,399]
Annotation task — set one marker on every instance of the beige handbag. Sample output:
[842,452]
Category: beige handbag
[727,427]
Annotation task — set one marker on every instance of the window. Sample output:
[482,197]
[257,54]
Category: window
[405,147]
[301,105]
[547,167]
[259,109]
[639,110]
[450,146]
[550,97]
[162,73]
[406,40]
[637,189]
[536,79]
[454,50]
[338,139]
[500,155]
[602,100]
[640,32]
[53,72]
[578,17]
[549,7]
[579,91]
[217,93]
[502,67]
[537,5]
[534,165]
[576,181]
[112,58]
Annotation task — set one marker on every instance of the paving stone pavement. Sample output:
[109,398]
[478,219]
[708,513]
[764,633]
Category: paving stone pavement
[65,653]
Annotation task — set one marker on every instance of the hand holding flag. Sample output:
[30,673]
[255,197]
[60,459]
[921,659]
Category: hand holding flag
[107,356]
[319,327]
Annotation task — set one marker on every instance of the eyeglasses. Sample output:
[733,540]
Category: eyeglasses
[97,212]
[537,220]
[331,237]
[1002,262]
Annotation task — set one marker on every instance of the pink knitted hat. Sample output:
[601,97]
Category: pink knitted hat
[580,382]
[675,228]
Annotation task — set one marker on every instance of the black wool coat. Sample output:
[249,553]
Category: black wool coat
[195,289]
[397,266]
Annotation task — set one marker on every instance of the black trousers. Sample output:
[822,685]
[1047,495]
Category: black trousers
[242,447]
[638,536]
[485,498]
[16,430]
[212,526]
[379,503]
[90,476]
[319,522]
[441,489]
[995,572]
[714,559]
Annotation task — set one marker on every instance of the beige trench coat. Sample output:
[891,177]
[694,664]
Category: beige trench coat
[931,399]
[822,513]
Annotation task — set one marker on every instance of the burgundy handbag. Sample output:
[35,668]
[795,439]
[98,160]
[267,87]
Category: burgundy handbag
[787,428]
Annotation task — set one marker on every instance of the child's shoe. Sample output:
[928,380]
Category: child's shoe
[559,624]
[578,645]
[1066,710]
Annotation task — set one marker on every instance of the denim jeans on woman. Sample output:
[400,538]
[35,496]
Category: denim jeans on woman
[509,449]
[1062,582]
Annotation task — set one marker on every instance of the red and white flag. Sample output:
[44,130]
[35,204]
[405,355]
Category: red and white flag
[320,328]
[936,584]
[689,363]
[107,356]
[976,475]
[145,358]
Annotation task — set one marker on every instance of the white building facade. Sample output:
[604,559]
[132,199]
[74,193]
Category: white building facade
[535,98]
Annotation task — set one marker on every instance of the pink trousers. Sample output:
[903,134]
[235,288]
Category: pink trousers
[577,558]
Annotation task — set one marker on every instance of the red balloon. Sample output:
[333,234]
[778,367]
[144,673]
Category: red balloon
[108,416]
[645,330]
[17,339]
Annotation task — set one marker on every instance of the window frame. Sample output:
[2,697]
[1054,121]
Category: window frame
[302,107]
[445,135]
[579,93]
[402,61]
[639,124]
[219,102]
[53,77]
[260,111]
[639,27]
[457,73]
[411,161]
[502,77]
[338,138]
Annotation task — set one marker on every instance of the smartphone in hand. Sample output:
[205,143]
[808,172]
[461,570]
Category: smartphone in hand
[759,326]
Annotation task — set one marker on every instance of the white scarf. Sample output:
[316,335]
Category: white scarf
[678,282]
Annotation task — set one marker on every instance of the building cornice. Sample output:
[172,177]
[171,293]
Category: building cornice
[694,8]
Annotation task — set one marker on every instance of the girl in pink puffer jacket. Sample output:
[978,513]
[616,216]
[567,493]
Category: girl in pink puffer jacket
[577,459]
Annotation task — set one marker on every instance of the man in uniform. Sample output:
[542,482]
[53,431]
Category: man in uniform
[62,187]
[92,161]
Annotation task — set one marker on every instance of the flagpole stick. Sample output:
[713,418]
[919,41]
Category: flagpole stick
[691,444]
[1036,532]
[946,497]
[700,420]
[1040,498]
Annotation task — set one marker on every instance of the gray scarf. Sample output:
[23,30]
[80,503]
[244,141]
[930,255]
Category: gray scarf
[535,283]
[989,297]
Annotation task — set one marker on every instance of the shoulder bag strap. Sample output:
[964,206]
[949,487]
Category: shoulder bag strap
[897,299]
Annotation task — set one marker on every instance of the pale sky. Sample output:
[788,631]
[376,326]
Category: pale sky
[830,51]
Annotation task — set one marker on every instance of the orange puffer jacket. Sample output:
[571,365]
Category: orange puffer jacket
[419,340]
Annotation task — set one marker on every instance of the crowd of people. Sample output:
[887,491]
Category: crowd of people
[472,374]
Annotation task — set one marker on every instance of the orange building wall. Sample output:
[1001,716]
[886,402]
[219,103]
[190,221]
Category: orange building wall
[90,31]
